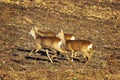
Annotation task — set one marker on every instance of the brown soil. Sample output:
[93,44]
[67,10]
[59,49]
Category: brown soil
[97,21]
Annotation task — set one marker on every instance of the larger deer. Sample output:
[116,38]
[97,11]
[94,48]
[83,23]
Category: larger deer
[50,42]
[78,45]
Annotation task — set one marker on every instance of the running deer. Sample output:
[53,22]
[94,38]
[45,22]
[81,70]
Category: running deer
[51,34]
[78,45]
[49,42]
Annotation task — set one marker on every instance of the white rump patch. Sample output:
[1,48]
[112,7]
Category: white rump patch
[72,38]
[90,47]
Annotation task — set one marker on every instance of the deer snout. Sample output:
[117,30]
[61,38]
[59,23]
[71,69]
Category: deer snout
[90,52]
[90,47]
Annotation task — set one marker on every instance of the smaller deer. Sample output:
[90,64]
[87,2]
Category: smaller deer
[51,34]
[49,42]
[78,45]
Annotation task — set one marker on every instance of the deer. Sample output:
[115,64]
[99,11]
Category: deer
[50,42]
[78,45]
[50,34]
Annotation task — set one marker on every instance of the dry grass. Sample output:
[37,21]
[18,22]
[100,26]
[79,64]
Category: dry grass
[97,21]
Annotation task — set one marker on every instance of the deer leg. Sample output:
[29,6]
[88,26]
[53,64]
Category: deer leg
[72,56]
[37,49]
[30,52]
[54,50]
[54,56]
[75,54]
[55,53]
[33,51]
[67,56]
[48,56]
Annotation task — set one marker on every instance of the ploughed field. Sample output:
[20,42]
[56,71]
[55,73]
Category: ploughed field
[96,21]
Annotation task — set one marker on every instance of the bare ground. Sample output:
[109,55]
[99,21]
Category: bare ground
[97,21]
